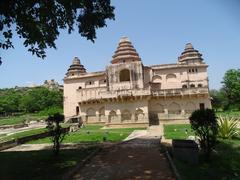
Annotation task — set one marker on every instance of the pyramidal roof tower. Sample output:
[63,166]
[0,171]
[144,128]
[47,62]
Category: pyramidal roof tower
[190,55]
[125,52]
[76,68]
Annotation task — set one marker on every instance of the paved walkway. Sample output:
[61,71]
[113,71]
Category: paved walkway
[10,131]
[139,158]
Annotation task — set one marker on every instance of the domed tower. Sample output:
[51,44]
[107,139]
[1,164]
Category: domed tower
[125,52]
[76,68]
[190,56]
[126,69]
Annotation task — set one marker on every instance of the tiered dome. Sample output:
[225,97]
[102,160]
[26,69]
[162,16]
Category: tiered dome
[125,52]
[190,55]
[76,67]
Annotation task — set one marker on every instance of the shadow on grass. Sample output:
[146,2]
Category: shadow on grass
[224,163]
[40,164]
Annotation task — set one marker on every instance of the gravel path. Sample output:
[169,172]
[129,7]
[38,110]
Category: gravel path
[139,158]
[136,159]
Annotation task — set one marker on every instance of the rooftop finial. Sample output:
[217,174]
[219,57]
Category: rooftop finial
[188,46]
[76,60]
[124,39]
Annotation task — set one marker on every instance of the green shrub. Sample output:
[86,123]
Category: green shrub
[204,124]
[227,127]
[50,111]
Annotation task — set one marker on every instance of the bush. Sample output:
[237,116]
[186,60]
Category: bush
[204,124]
[50,111]
[227,127]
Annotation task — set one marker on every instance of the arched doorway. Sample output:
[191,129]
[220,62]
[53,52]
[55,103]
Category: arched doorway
[102,114]
[126,115]
[112,117]
[91,115]
[139,115]
[124,75]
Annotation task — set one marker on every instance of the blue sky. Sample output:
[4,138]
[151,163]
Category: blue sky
[158,30]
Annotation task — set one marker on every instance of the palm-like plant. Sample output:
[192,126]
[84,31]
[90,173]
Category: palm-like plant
[227,127]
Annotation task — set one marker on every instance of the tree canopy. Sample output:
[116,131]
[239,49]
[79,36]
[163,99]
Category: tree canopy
[29,100]
[231,87]
[38,21]
[228,97]
[219,99]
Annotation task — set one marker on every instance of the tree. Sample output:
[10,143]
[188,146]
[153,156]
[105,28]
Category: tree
[9,102]
[56,131]
[41,98]
[205,126]
[38,21]
[29,100]
[219,99]
[231,87]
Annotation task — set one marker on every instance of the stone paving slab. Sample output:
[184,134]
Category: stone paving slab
[29,147]
[10,131]
[136,159]
[136,134]
[37,147]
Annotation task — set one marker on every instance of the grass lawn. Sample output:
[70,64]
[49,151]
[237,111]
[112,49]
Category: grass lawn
[229,113]
[4,137]
[177,131]
[21,119]
[225,162]
[23,134]
[92,133]
[40,164]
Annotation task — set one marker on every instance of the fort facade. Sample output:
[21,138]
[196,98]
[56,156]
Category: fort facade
[129,93]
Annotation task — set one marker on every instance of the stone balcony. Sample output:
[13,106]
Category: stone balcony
[102,94]
[179,92]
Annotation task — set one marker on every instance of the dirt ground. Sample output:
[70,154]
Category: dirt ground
[136,159]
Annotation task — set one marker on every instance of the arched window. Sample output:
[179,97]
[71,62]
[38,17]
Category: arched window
[184,86]
[89,83]
[192,86]
[171,78]
[200,85]
[156,79]
[77,110]
[80,87]
[124,75]
[174,108]
[102,81]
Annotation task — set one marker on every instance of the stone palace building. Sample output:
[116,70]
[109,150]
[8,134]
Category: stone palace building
[129,93]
